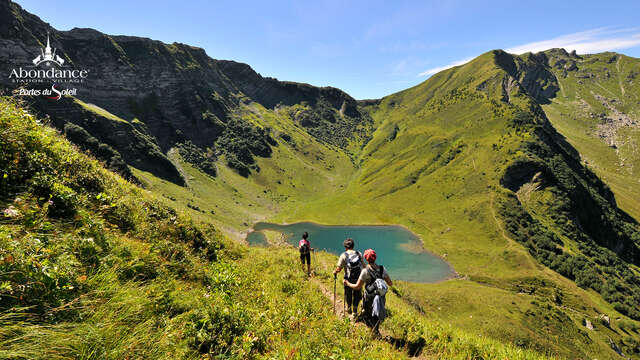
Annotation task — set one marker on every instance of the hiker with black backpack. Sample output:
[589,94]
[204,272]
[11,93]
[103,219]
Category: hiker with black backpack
[305,252]
[352,262]
[375,279]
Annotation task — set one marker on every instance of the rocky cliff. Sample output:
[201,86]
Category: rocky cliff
[175,92]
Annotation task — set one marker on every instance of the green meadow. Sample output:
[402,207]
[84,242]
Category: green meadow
[94,267]
[434,163]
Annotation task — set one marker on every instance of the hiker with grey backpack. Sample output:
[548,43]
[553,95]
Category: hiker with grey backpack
[352,262]
[376,282]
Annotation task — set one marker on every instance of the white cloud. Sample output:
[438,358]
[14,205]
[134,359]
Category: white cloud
[585,42]
[438,69]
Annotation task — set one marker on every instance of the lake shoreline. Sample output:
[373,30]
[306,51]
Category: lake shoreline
[452,274]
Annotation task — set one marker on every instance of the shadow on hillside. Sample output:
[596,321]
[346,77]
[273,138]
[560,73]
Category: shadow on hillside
[413,348]
[626,217]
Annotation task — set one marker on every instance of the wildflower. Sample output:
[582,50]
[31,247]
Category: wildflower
[50,202]
[11,212]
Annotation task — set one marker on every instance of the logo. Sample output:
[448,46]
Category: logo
[48,92]
[48,68]
[47,57]
[58,93]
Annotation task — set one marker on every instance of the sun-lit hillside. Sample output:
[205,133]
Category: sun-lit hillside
[457,159]
[598,109]
[94,267]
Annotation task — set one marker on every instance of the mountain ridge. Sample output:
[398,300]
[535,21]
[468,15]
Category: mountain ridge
[177,91]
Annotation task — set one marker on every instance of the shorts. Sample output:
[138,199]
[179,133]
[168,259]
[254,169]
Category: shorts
[306,257]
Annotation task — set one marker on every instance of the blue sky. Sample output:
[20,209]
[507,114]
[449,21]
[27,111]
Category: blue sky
[367,48]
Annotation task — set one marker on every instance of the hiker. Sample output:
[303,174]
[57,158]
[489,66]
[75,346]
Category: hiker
[305,252]
[352,262]
[373,278]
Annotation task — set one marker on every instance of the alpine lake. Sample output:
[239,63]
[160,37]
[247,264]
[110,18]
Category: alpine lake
[399,250]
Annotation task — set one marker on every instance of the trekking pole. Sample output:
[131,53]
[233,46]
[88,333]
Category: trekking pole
[375,330]
[334,293]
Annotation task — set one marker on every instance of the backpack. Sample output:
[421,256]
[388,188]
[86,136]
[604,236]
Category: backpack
[354,266]
[303,246]
[378,286]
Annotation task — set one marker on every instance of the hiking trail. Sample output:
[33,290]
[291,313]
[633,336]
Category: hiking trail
[384,335]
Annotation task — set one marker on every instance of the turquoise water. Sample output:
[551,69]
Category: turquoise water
[399,250]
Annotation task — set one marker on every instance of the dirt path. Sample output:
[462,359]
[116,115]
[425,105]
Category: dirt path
[385,336]
[328,293]
[619,76]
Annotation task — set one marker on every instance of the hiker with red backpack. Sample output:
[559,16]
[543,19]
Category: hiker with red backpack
[305,252]
[352,262]
[375,279]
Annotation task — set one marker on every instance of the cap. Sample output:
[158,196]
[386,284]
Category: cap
[370,255]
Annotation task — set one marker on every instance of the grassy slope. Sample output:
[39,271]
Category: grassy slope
[106,269]
[298,170]
[432,166]
[612,76]
[451,207]
[98,110]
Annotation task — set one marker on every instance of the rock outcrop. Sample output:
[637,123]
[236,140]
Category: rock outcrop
[176,93]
